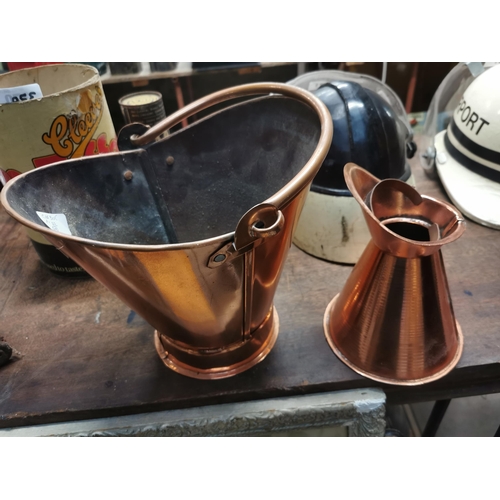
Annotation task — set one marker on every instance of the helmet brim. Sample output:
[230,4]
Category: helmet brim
[477,197]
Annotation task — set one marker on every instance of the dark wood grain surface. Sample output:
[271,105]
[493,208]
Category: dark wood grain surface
[86,355]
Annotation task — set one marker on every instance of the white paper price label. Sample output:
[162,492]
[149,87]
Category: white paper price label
[56,222]
[19,94]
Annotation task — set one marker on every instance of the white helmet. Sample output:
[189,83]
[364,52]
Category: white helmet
[467,153]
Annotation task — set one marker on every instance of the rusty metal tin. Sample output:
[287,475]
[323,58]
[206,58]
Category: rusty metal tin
[143,107]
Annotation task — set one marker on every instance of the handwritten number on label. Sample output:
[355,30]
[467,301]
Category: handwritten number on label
[22,97]
[21,93]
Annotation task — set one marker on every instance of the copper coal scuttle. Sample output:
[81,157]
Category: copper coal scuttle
[190,231]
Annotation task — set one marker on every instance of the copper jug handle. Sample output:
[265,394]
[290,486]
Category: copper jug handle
[239,91]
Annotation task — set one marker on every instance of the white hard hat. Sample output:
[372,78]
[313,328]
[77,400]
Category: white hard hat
[467,153]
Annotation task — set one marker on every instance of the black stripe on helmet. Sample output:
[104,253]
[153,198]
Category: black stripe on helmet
[481,151]
[474,166]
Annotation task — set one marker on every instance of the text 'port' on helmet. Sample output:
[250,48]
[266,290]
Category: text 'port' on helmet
[467,153]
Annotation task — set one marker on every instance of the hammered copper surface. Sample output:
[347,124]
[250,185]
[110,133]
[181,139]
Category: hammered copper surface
[393,321]
[196,244]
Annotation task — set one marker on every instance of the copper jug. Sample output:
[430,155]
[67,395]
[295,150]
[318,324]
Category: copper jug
[191,231]
[393,321]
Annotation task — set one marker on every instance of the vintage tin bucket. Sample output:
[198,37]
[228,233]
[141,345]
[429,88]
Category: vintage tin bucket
[71,120]
[191,231]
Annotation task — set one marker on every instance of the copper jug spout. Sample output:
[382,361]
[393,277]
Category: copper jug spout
[393,321]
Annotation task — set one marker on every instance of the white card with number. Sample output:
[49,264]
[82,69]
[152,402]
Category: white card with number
[19,94]
[56,222]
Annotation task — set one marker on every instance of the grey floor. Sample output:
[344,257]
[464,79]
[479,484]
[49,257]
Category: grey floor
[477,416]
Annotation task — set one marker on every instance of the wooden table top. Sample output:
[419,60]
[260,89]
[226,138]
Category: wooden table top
[84,354]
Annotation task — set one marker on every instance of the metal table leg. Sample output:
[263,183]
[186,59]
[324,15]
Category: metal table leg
[435,418]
